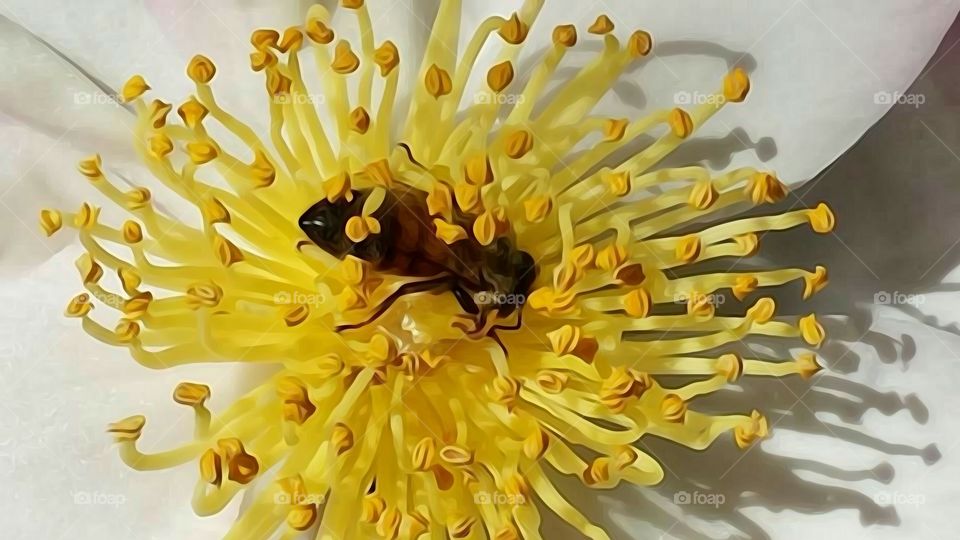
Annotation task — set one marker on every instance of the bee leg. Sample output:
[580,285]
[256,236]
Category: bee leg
[408,288]
[515,326]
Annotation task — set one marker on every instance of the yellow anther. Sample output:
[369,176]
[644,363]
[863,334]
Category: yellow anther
[485,228]
[583,257]
[500,76]
[158,112]
[811,330]
[438,81]
[468,197]
[673,408]
[381,349]
[211,468]
[79,306]
[762,311]
[537,208]
[360,227]
[291,41]
[618,183]
[379,171]
[744,285]
[439,200]
[565,35]
[261,60]
[292,389]
[160,146]
[753,429]
[204,295]
[611,257]
[90,271]
[87,217]
[126,331]
[191,394]
[477,170]
[514,31]
[614,129]
[135,87]
[505,391]
[552,381]
[137,198]
[51,221]
[201,69]
[516,487]
[129,279]
[765,188]
[631,274]
[449,232]
[90,167]
[730,366]
[341,438]
[302,517]
[736,85]
[354,270]
[688,248]
[680,123]
[242,467]
[807,365]
[519,143]
[598,472]
[387,57]
[625,456]
[637,303]
[213,211]
[821,219]
[456,455]
[319,32]
[359,120]
[621,385]
[536,444]
[262,170]
[295,315]
[570,339]
[128,429]
[461,527]
[815,282]
[703,195]
[749,244]
[202,152]
[603,25]
[344,59]
[264,38]
[424,454]
[700,305]
[640,44]
[338,187]
[132,232]
[373,508]
[227,252]
[278,85]
[352,4]
[507,532]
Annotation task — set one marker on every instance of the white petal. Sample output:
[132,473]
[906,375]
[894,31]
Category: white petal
[817,67]
[59,468]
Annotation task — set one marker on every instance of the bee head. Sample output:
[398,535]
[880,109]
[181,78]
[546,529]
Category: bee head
[325,223]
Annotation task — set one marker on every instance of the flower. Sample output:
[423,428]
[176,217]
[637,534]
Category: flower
[231,461]
[363,422]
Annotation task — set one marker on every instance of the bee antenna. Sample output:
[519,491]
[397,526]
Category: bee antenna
[406,148]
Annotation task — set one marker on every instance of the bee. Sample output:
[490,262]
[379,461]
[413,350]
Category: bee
[490,283]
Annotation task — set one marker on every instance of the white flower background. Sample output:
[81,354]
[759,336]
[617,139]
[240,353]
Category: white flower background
[868,449]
